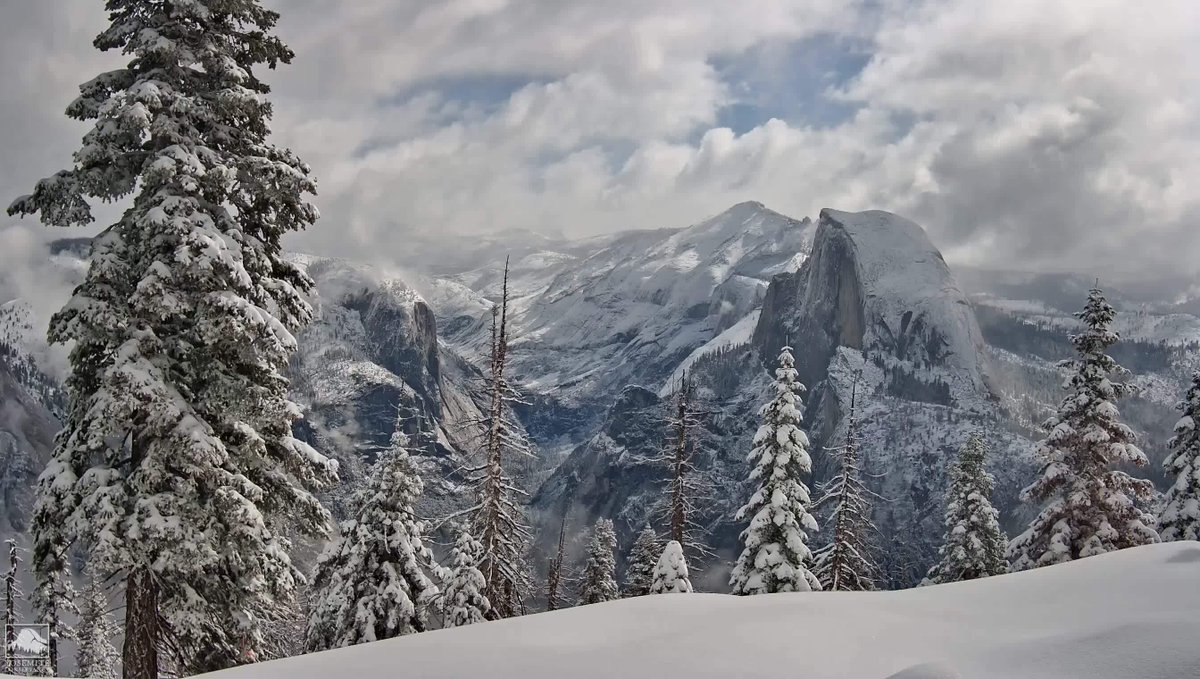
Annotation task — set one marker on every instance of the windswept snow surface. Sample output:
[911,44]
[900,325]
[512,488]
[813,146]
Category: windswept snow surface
[1128,614]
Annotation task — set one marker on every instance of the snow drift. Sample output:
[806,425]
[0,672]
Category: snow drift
[1134,613]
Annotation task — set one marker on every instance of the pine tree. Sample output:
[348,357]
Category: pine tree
[176,466]
[1089,505]
[463,602]
[12,592]
[671,572]
[776,556]
[554,574]
[643,558]
[973,545]
[600,571]
[1180,516]
[95,656]
[847,563]
[370,583]
[497,517]
[54,598]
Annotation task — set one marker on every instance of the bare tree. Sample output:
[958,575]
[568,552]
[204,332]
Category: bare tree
[555,573]
[685,487]
[847,563]
[498,518]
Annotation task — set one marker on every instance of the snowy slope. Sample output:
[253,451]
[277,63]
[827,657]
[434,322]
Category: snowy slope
[736,335]
[1116,616]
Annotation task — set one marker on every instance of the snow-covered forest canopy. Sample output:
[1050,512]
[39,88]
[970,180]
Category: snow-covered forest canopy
[235,428]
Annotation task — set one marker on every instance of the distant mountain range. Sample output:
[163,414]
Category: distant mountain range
[602,328]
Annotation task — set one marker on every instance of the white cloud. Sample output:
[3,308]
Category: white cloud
[1022,133]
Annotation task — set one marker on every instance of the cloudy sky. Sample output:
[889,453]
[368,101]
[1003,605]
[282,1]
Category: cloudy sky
[1024,133]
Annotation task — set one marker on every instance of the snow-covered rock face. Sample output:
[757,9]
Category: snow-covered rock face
[27,431]
[30,403]
[875,283]
[371,353]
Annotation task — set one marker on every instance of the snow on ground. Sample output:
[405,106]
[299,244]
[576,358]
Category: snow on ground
[1130,614]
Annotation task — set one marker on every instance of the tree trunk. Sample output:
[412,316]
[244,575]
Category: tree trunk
[140,654]
[678,501]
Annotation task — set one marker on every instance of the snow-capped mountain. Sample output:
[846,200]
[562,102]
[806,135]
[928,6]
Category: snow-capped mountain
[604,327]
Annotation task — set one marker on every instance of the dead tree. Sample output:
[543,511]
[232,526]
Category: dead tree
[498,517]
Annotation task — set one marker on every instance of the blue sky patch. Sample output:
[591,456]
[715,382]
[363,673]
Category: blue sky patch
[788,80]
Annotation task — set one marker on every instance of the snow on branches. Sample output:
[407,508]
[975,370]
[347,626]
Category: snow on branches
[776,556]
[1089,505]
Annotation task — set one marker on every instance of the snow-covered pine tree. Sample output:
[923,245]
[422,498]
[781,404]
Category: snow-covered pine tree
[371,583]
[1090,506]
[671,572]
[54,598]
[95,655]
[180,331]
[643,558]
[600,571]
[847,563]
[973,544]
[497,517]
[12,592]
[1180,516]
[776,556]
[463,602]
[554,574]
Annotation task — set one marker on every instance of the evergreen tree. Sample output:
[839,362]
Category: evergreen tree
[464,602]
[95,655]
[847,563]
[973,544]
[643,558]
[370,582]
[1089,504]
[497,517]
[600,572]
[176,466]
[671,572]
[776,556]
[554,575]
[1180,516]
[54,597]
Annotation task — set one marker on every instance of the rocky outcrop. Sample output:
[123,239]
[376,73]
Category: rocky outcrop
[874,283]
